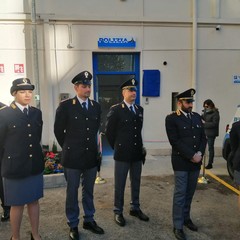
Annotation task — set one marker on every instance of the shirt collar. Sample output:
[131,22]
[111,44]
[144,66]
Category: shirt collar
[129,105]
[81,101]
[21,107]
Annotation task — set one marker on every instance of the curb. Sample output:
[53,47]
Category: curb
[54,180]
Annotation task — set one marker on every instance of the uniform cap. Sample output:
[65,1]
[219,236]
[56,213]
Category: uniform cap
[187,95]
[84,77]
[21,84]
[129,84]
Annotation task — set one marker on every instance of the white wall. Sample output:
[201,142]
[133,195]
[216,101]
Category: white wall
[163,30]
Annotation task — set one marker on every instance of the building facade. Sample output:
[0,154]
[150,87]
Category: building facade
[168,46]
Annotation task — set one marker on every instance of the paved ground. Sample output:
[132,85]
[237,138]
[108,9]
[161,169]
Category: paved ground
[214,208]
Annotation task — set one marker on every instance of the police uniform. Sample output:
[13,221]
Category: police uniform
[76,131]
[123,131]
[6,209]
[186,135]
[21,152]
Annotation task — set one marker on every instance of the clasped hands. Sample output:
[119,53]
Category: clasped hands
[197,157]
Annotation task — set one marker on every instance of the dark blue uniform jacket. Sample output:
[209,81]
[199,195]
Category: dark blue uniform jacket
[20,136]
[123,131]
[76,132]
[187,137]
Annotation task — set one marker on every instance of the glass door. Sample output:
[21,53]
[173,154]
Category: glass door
[110,71]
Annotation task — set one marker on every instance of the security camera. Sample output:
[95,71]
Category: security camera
[218,27]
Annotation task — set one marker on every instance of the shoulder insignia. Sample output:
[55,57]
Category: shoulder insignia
[74,101]
[135,106]
[123,105]
[13,106]
[2,107]
[91,102]
[178,112]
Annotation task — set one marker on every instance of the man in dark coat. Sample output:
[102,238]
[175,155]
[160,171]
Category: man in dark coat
[6,209]
[186,135]
[123,131]
[76,126]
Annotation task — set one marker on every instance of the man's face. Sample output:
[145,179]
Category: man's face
[23,97]
[186,106]
[83,91]
[129,95]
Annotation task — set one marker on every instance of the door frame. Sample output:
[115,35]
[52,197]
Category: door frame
[136,71]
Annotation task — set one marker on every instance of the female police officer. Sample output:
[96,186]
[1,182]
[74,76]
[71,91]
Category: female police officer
[21,157]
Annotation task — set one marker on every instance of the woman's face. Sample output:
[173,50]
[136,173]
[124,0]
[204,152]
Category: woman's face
[23,97]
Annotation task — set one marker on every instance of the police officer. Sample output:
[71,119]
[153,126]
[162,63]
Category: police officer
[22,157]
[186,135]
[6,209]
[123,131]
[76,126]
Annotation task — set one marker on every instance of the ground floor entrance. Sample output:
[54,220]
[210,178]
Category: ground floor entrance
[110,70]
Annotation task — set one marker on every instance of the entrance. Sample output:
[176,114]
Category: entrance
[110,70]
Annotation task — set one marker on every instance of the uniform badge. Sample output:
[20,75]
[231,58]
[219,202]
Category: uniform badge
[133,82]
[25,81]
[74,101]
[13,106]
[86,74]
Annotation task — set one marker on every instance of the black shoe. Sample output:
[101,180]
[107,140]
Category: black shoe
[190,225]
[209,166]
[73,234]
[139,214]
[93,227]
[32,238]
[179,234]
[119,219]
[5,216]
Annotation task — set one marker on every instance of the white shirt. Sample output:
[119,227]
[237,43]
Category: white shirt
[21,107]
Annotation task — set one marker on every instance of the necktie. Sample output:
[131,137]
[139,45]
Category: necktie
[188,115]
[131,109]
[25,111]
[84,105]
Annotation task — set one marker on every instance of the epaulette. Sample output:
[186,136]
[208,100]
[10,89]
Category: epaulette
[2,108]
[178,112]
[135,106]
[64,100]
[13,106]
[114,105]
[91,102]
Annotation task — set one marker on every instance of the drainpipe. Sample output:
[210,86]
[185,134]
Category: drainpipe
[194,47]
[35,54]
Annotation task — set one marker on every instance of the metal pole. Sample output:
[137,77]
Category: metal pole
[35,54]
[203,179]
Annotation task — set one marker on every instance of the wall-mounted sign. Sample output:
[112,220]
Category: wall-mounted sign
[236,79]
[116,42]
[2,68]
[19,68]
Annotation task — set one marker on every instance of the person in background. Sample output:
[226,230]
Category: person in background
[76,126]
[22,157]
[186,135]
[210,119]
[235,151]
[6,209]
[123,131]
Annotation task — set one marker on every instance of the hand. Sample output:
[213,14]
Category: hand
[196,158]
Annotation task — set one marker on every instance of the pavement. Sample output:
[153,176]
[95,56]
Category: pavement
[214,208]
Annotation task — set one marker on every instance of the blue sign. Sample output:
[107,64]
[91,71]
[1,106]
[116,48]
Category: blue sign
[236,78]
[115,42]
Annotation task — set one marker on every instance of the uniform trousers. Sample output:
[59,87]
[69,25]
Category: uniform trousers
[185,185]
[121,170]
[87,179]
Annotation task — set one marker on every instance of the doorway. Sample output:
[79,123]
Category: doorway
[110,70]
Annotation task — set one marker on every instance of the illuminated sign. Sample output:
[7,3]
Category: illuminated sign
[116,42]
